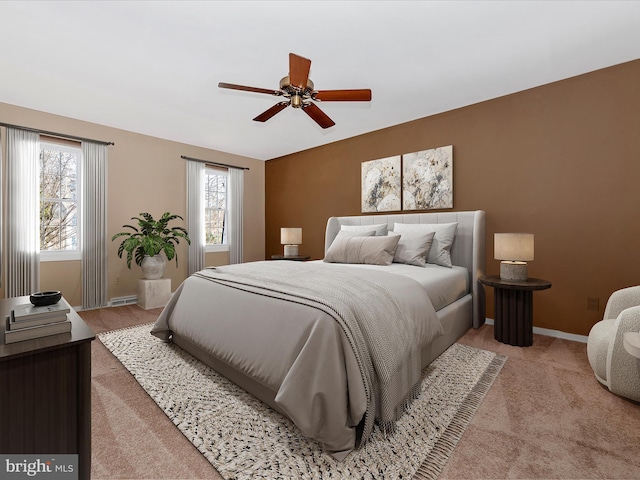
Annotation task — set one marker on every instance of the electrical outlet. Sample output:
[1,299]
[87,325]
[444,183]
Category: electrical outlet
[593,303]
[117,280]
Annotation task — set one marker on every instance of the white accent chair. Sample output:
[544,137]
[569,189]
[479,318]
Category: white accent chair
[612,364]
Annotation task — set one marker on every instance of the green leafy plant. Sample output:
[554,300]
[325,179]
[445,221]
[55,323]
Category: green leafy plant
[151,237]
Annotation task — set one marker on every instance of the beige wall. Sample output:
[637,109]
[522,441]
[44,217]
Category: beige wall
[561,161]
[145,174]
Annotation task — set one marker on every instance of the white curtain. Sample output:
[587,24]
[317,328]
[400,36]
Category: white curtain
[1,209]
[22,269]
[94,225]
[195,215]
[235,199]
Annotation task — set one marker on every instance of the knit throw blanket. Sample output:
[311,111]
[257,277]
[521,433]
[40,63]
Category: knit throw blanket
[382,335]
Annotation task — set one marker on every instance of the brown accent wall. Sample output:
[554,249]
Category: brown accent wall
[561,161]
[145,174]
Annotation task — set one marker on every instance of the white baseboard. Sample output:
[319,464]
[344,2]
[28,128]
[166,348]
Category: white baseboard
[553,333]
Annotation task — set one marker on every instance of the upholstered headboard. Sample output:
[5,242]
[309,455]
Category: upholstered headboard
[468,249]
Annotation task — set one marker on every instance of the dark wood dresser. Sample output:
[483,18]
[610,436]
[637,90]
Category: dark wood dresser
[45,392]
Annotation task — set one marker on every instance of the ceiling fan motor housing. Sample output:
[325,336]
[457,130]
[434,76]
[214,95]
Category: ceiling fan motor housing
[296,94]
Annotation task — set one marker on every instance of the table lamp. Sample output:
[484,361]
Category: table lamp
[290,238]
[515,250]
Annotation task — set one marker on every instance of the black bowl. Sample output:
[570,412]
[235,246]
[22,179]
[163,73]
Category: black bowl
[41,299]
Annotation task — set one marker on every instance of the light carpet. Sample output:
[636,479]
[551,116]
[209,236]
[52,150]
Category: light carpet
[245,439]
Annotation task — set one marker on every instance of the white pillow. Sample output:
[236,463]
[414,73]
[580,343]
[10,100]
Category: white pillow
[372,250]
[445,233]
[413,248]
[380,228]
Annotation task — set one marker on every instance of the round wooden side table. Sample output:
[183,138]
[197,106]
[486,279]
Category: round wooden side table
[513,305]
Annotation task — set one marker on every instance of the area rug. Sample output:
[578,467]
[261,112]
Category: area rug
[245,439]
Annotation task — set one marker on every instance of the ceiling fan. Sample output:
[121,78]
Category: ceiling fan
[298,90]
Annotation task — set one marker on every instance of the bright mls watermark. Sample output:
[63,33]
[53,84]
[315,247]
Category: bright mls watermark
[50,467]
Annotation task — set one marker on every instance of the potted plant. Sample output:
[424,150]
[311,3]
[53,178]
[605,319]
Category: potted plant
[147,242]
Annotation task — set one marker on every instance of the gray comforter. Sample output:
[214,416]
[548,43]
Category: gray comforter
[338,346]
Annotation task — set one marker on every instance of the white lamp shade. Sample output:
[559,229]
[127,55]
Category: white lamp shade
[290,236]
[513,246]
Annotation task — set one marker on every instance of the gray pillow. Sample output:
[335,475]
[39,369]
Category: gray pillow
[413,248]
[348,234]
[445,233]
[380,228]
[372,250]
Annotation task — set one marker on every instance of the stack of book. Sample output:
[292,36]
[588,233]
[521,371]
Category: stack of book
[27,321]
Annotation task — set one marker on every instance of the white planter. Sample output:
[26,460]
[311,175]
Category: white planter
[153,267]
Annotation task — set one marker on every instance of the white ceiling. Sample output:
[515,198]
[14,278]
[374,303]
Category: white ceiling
[153,67]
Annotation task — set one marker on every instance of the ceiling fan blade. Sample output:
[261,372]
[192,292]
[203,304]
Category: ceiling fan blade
[318,115]
[266,115]
[249,89]
[299,70]
[363,95]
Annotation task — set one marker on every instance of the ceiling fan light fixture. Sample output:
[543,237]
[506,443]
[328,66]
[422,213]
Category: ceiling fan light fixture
[296,101]
[298,89]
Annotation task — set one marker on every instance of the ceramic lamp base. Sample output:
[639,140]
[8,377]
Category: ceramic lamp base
[516,271]
[291,250]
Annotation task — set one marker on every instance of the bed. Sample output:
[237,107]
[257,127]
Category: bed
[334,345]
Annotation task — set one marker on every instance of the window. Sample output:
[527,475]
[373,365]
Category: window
[59,201]
[215,208]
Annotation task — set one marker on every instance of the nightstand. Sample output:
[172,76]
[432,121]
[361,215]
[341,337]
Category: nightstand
[513,305]
[297,258]
[45,392]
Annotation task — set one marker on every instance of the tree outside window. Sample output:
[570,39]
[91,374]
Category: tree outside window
[215,211]
[59,197]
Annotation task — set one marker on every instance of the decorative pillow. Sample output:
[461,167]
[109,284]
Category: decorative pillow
[380,228]
[348,234]
[342,234]
[445,233]
[372,250]
[413,248]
